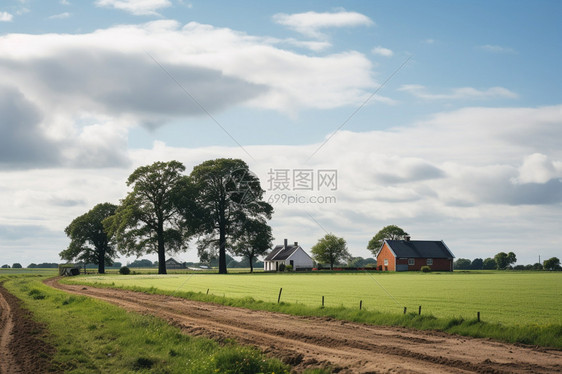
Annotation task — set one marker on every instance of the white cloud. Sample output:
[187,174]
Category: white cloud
[459,93]
[136,7]
[6,17]
[66,77]
[497,49]
[311,24]
[60,16]
[381,51]
[538,168]
[64,2]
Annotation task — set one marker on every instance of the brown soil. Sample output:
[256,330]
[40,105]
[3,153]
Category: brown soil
[22,340]
[345,347]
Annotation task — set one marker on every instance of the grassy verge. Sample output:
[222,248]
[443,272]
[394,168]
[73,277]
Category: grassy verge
[546,335]
[92,336]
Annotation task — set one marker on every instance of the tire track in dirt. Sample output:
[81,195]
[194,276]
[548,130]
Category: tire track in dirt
[307,342]
[23,347]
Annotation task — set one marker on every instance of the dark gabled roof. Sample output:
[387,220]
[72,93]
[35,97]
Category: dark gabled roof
[171,260]
[281,253]
[419,249]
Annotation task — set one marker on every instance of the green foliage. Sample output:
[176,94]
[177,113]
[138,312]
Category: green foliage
[124,271]
[91,336]
[254,240]
[148,220]
[489,264]
[5,266]
[503,260]
[227,195]
[477,264]
[552,263]
[330,249]
[462,264]
[17,266]
[425,269]
[282,267]
[288,267]
[89,242]
[391,232]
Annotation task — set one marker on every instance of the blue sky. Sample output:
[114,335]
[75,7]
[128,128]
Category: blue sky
[449,114]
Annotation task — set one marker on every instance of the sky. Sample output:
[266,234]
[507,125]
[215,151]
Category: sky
[441,117]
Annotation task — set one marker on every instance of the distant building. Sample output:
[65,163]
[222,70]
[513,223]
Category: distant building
[286,254]
[173,264]
[411,255]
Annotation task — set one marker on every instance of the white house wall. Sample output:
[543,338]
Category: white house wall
[300,260]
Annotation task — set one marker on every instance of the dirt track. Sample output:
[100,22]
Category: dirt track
[22,340]
[346,347]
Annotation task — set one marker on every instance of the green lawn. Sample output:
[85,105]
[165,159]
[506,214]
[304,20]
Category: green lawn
[512,298]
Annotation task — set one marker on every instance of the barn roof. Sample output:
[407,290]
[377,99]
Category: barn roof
[419,249]
[281,253]
[172,261]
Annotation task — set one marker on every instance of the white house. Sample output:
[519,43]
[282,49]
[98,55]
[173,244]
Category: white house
[286,254]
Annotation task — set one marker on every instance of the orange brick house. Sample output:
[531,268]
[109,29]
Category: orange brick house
[411,255]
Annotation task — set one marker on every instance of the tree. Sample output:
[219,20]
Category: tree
[5,266]
[16,265]
[148,220]
[552,263]
[503,260]
[477,264]
[227,195]
[391,232]
[489,264]
[330,249]
[255,240]
[462,264]
[89,242]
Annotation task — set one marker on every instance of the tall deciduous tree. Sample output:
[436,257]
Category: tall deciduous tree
[391,232]
[254,240]
[148,219]
[227,195]
[552,263]
[89,241]
[330,249]
[503,260]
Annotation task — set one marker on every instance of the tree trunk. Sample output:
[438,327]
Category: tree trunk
[101,261]
[161,249]
[222,248]
[251,258]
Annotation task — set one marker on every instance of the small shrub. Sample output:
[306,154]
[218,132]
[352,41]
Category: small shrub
[288,267]
[124,271]
[142,363]
[425,269]
[36,294]
[282,267]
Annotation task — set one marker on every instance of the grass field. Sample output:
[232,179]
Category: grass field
[510,298]
[91,336]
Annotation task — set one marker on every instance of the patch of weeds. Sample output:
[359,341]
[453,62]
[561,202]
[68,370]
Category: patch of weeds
[36,294]
[143,363]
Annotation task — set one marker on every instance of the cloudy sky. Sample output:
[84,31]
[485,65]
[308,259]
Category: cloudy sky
[444,118]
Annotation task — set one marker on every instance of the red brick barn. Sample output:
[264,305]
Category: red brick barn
[411,255]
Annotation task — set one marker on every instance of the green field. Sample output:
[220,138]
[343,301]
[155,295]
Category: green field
[511,298]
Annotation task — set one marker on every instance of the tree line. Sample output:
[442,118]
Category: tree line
[219,204]
[503,261]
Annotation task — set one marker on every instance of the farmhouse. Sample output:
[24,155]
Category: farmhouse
[286,254]
[173,264]
[411,255]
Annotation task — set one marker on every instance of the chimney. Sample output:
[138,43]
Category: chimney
[407,238]
[285,245]
[296,244]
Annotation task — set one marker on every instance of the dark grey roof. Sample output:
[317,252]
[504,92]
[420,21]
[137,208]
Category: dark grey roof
[419,249]
[280,253]
[171,260]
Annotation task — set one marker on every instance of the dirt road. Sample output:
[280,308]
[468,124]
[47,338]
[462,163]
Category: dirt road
[345,347]
[22,340]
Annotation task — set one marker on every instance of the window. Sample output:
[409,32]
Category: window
[411,261]
[386,262]
[429,261]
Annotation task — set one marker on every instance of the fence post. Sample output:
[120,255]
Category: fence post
[279,298]
[322,301]
[405,310]
[478,315]
[360,304]
[207,291]
[419,311]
